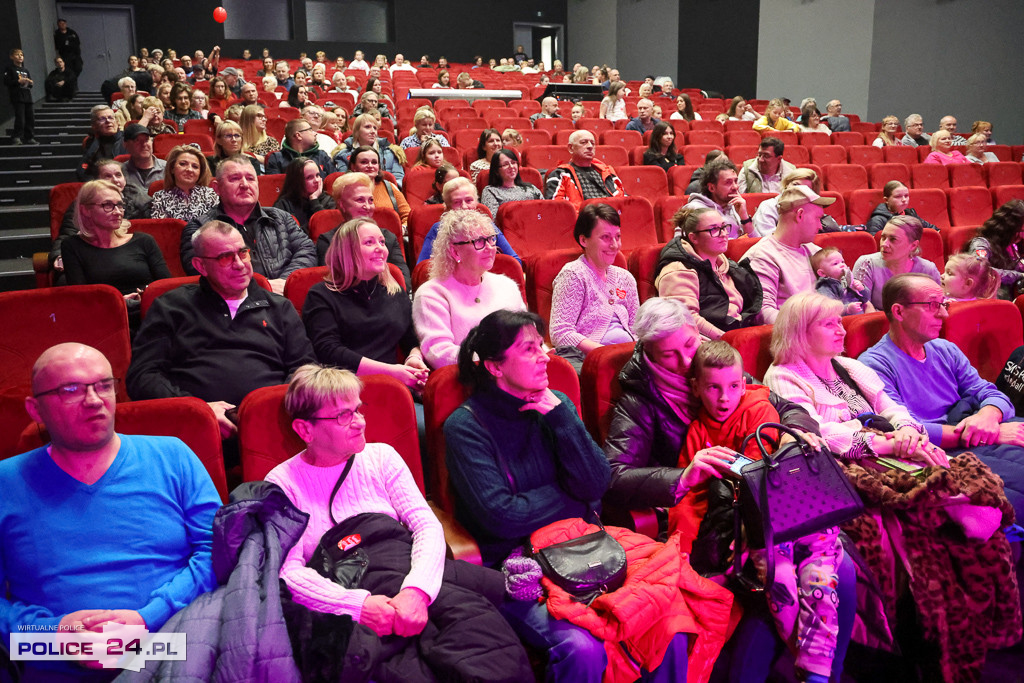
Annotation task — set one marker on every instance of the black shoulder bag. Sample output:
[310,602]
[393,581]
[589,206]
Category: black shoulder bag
[333,558]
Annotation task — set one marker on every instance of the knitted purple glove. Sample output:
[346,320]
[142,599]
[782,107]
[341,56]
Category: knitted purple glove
[522,576]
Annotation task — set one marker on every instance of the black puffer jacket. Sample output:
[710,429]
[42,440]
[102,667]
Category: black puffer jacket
[881,215]
[714,301]
[646,436]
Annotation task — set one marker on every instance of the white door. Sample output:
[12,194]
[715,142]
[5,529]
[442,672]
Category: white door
[107,33]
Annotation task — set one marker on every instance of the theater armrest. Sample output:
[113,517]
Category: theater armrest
[41,266]
[461,545]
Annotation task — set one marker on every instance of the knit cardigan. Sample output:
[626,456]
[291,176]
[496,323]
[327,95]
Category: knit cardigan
[797,383]
[582,306]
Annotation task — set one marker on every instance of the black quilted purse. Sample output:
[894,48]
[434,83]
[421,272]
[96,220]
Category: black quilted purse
[585,567]
[794,492]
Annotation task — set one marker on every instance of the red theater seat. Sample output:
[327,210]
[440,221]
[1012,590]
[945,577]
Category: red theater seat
[853,245]
[929,176]
[542,268]
[537,225]
[753,345]
[969,205]
[643,263]
[863,331]
[637,217]
[930,204]
[845,177]
[880,174]
[987,331]
[649,182]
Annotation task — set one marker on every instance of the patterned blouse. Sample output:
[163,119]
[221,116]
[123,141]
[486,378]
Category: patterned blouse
[180,119]
[174,203]
[494,196]
[268,146]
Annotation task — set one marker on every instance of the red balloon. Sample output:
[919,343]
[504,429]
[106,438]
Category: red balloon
[220,15]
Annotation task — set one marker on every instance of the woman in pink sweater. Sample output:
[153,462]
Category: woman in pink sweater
[461,289]
[942,150]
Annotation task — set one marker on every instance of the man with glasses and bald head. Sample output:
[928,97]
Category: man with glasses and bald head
[132,515]
[220,338]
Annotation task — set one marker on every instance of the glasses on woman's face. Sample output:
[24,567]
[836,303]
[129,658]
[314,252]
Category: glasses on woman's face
[480,242]
[714,230]
[933,306]
[345,417]
[109,207]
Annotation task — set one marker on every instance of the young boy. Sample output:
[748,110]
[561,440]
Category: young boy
[19,86]
[803,600]
[835,282]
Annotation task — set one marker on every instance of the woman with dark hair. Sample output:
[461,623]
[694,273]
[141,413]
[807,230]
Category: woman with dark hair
[490,142]
[359,318]
[298,97]
[741,110]
[684,109]
[520,459]
[694,269]
[186,193]
[594,302]
[662,149]
[444,80]
[1000,239]
[810,120]
[385,193]
[302,194]
[895,202]
[888,136]
[442,175]
[219,93]
[504,183]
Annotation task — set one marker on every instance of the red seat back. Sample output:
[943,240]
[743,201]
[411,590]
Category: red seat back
[679,178]
[863,331]
[627,139]
[860,204]
[899,154]
[853,245]
[963,175]
[987,331]
[880,174]
[600,386]
[537,225]
[270,188]
[616,157]
[845,177]
[706,137]
[62,196]
[1006,193]
[929,175]
[650,182]
[847,139]
[664,210]
[865,155]
[738,247]
[637,218]
[930,204]
[163,144]
[546,157]
[753,344]
[643,261]
[824,155]
[167,233]
[1003,173]
[969,205]
[813,139]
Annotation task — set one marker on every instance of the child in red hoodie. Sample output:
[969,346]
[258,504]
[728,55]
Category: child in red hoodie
[803,600]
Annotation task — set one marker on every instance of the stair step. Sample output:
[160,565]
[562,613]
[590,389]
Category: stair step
[16,273]
[48,177]
[64,147]
[32,216]
[25,196]
[61,162]
[23,242]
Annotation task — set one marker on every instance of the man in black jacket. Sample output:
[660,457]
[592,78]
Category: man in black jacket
[106,142]
[221,338]
[279,247]
[69,47]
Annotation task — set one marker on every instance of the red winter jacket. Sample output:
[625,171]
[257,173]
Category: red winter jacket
[563,183]
[662,596]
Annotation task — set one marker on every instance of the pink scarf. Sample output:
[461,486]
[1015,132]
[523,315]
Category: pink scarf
[675,389]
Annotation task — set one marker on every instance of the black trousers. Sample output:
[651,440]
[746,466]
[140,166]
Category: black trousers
[24,121]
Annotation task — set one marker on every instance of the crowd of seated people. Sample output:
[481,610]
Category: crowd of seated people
[523,469]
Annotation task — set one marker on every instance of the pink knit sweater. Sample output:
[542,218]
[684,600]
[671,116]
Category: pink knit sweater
[444,311]
[580,302]
[378,482]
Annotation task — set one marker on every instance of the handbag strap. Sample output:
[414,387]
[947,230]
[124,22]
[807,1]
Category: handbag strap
[337,486]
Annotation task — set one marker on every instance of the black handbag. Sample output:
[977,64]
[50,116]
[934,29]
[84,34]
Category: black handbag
[796,491]
[334,558]
[585,567]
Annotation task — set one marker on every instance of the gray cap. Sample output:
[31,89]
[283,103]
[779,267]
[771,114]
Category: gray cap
[230,71]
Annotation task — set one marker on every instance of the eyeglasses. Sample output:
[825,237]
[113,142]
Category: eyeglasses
[305,130]
[479,242]
[933,306]
[228,257]
[105,119]
[714,230]
[75,392]
[345,417]
[109,207]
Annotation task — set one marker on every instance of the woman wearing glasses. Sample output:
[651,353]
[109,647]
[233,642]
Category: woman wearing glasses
[359,318]
[594,302]
[694,269]
[187,193]
[461,289]
[340,480]
[898,252]
[104,252]
[228,143]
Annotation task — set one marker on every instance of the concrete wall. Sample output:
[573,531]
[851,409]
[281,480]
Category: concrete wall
[648,38]
[591,33]
[817,48]
[962,57]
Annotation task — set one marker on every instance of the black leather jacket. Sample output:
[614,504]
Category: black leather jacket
[646,436]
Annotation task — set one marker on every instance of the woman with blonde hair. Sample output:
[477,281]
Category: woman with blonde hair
[889,135]
[364,134]
[104,252]
[976,153]
[942,150]
[228,143]
[255,140]
[186,193]
[899,251]
[153,117]
[359,318]
[613,106]
[423,129]
[775,119]
[461,289]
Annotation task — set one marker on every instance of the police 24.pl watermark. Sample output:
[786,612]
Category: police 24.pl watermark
[118,647]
